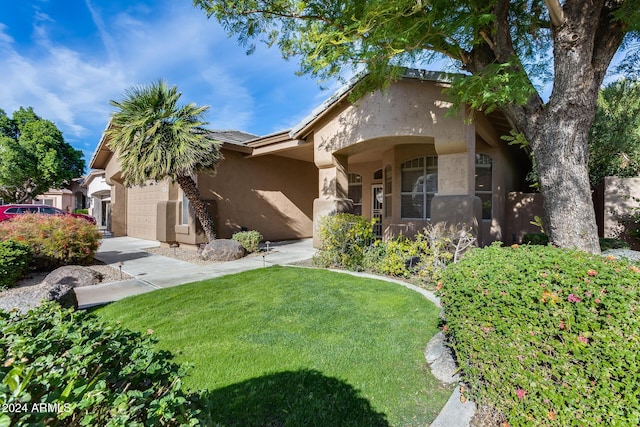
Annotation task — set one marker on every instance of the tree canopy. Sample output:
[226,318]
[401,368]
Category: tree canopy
[156,138]
[614,140]
[505,49]
[34,157]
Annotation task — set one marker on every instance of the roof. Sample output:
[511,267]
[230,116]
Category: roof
[231,136]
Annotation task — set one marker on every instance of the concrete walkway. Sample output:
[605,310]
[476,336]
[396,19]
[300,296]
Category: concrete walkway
[152,271]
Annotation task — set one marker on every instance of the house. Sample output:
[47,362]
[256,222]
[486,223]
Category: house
[98,197]
[397,155]
[67,199]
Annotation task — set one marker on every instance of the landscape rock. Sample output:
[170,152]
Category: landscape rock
[73,276]
[440,358]
[222,250]
[24,299]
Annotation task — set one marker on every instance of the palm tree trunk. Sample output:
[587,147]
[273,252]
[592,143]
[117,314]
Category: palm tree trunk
[190,190]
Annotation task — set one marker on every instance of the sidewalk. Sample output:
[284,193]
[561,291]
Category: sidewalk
[152,271]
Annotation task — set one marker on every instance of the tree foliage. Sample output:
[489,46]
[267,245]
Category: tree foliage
[505,49]
[157,138]
[614,140]
[34,156]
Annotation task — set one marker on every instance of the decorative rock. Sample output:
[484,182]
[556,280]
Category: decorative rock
[440,359]
[73,276]
[32,296]
[222,250]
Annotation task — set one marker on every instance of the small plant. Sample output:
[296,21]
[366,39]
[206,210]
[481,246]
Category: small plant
[609,243]
[81,211]
[86,372]
[250,240]
[535,239]
[547,336]
[15,259]
[344,238]
[54,240]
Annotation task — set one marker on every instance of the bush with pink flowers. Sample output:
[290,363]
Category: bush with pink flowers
[54,240]
[547,336]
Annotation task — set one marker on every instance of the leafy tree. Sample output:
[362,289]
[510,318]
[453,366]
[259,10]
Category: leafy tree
[156,139]
[614,140]
[34,157]
[504,46]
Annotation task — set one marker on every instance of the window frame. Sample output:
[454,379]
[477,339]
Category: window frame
[428,162]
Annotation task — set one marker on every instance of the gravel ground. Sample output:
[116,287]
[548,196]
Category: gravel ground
[189,255]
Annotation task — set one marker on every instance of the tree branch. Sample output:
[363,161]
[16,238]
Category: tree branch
[555,12]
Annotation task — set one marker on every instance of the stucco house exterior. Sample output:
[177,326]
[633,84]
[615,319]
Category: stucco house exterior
[396,155]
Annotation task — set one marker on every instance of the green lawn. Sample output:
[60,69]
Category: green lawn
[293,346]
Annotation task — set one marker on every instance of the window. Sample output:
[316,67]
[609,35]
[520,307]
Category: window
[184,217]
[355,192]
[419,182]
[388,181]
[377,175]
[484,183]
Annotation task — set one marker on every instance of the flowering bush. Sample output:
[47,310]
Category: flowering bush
[547,336]
[15,258]
[54,240]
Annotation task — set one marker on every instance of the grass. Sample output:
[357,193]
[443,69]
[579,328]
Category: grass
[292,346]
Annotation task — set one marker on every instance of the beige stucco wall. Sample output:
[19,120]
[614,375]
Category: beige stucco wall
[271,194]
[142,212]
[618,201]
[521,209]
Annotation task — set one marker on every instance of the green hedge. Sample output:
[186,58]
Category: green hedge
[67,368]
[15,259]
[547,336]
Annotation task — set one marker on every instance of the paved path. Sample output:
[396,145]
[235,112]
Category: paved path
[152,271]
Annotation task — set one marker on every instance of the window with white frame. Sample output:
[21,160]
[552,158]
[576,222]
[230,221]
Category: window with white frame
[484,183]
[184,216]
[419,184]
[355,192]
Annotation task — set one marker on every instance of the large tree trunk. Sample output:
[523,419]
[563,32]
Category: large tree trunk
[190,189]
[561,152]
[585,37]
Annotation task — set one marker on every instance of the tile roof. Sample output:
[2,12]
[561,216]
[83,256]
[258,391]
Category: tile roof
[230,136]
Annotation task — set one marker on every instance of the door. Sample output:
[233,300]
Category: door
[377,199]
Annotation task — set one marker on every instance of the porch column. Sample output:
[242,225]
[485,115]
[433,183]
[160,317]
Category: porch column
[333,189]
[455,202]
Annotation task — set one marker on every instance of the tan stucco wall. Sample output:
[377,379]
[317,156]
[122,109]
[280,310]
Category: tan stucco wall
[617,204]
[271,194]
[521,209]
[142,209]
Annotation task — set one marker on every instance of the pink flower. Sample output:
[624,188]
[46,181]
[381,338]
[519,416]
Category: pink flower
[583,340]
[597,300]
[592,272]
[520,357]
[561,325]
[587,294]
[520,393]
[573,298]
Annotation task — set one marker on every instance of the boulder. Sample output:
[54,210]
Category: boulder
[222,250]
[73,276]
[25,298]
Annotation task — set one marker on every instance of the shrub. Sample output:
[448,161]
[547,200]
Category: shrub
[608,243]
[54,240]
[86,372]
[250,240]
[81,211]
[535,239]
[391,258]
[547,336]
[344,238]
[15,259]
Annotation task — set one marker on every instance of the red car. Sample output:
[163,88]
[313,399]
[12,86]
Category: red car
[10,211]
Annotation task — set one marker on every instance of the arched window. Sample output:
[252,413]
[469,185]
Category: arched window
[419,185]
[377,175]
[484,184]
[388,181]
[355,192]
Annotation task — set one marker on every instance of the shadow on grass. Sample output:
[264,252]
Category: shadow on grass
[300,398]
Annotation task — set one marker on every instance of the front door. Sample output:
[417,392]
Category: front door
[377,199]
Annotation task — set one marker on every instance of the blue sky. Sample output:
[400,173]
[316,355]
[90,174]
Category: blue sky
[68,58]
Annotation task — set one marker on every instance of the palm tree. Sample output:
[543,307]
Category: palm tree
[156,139]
